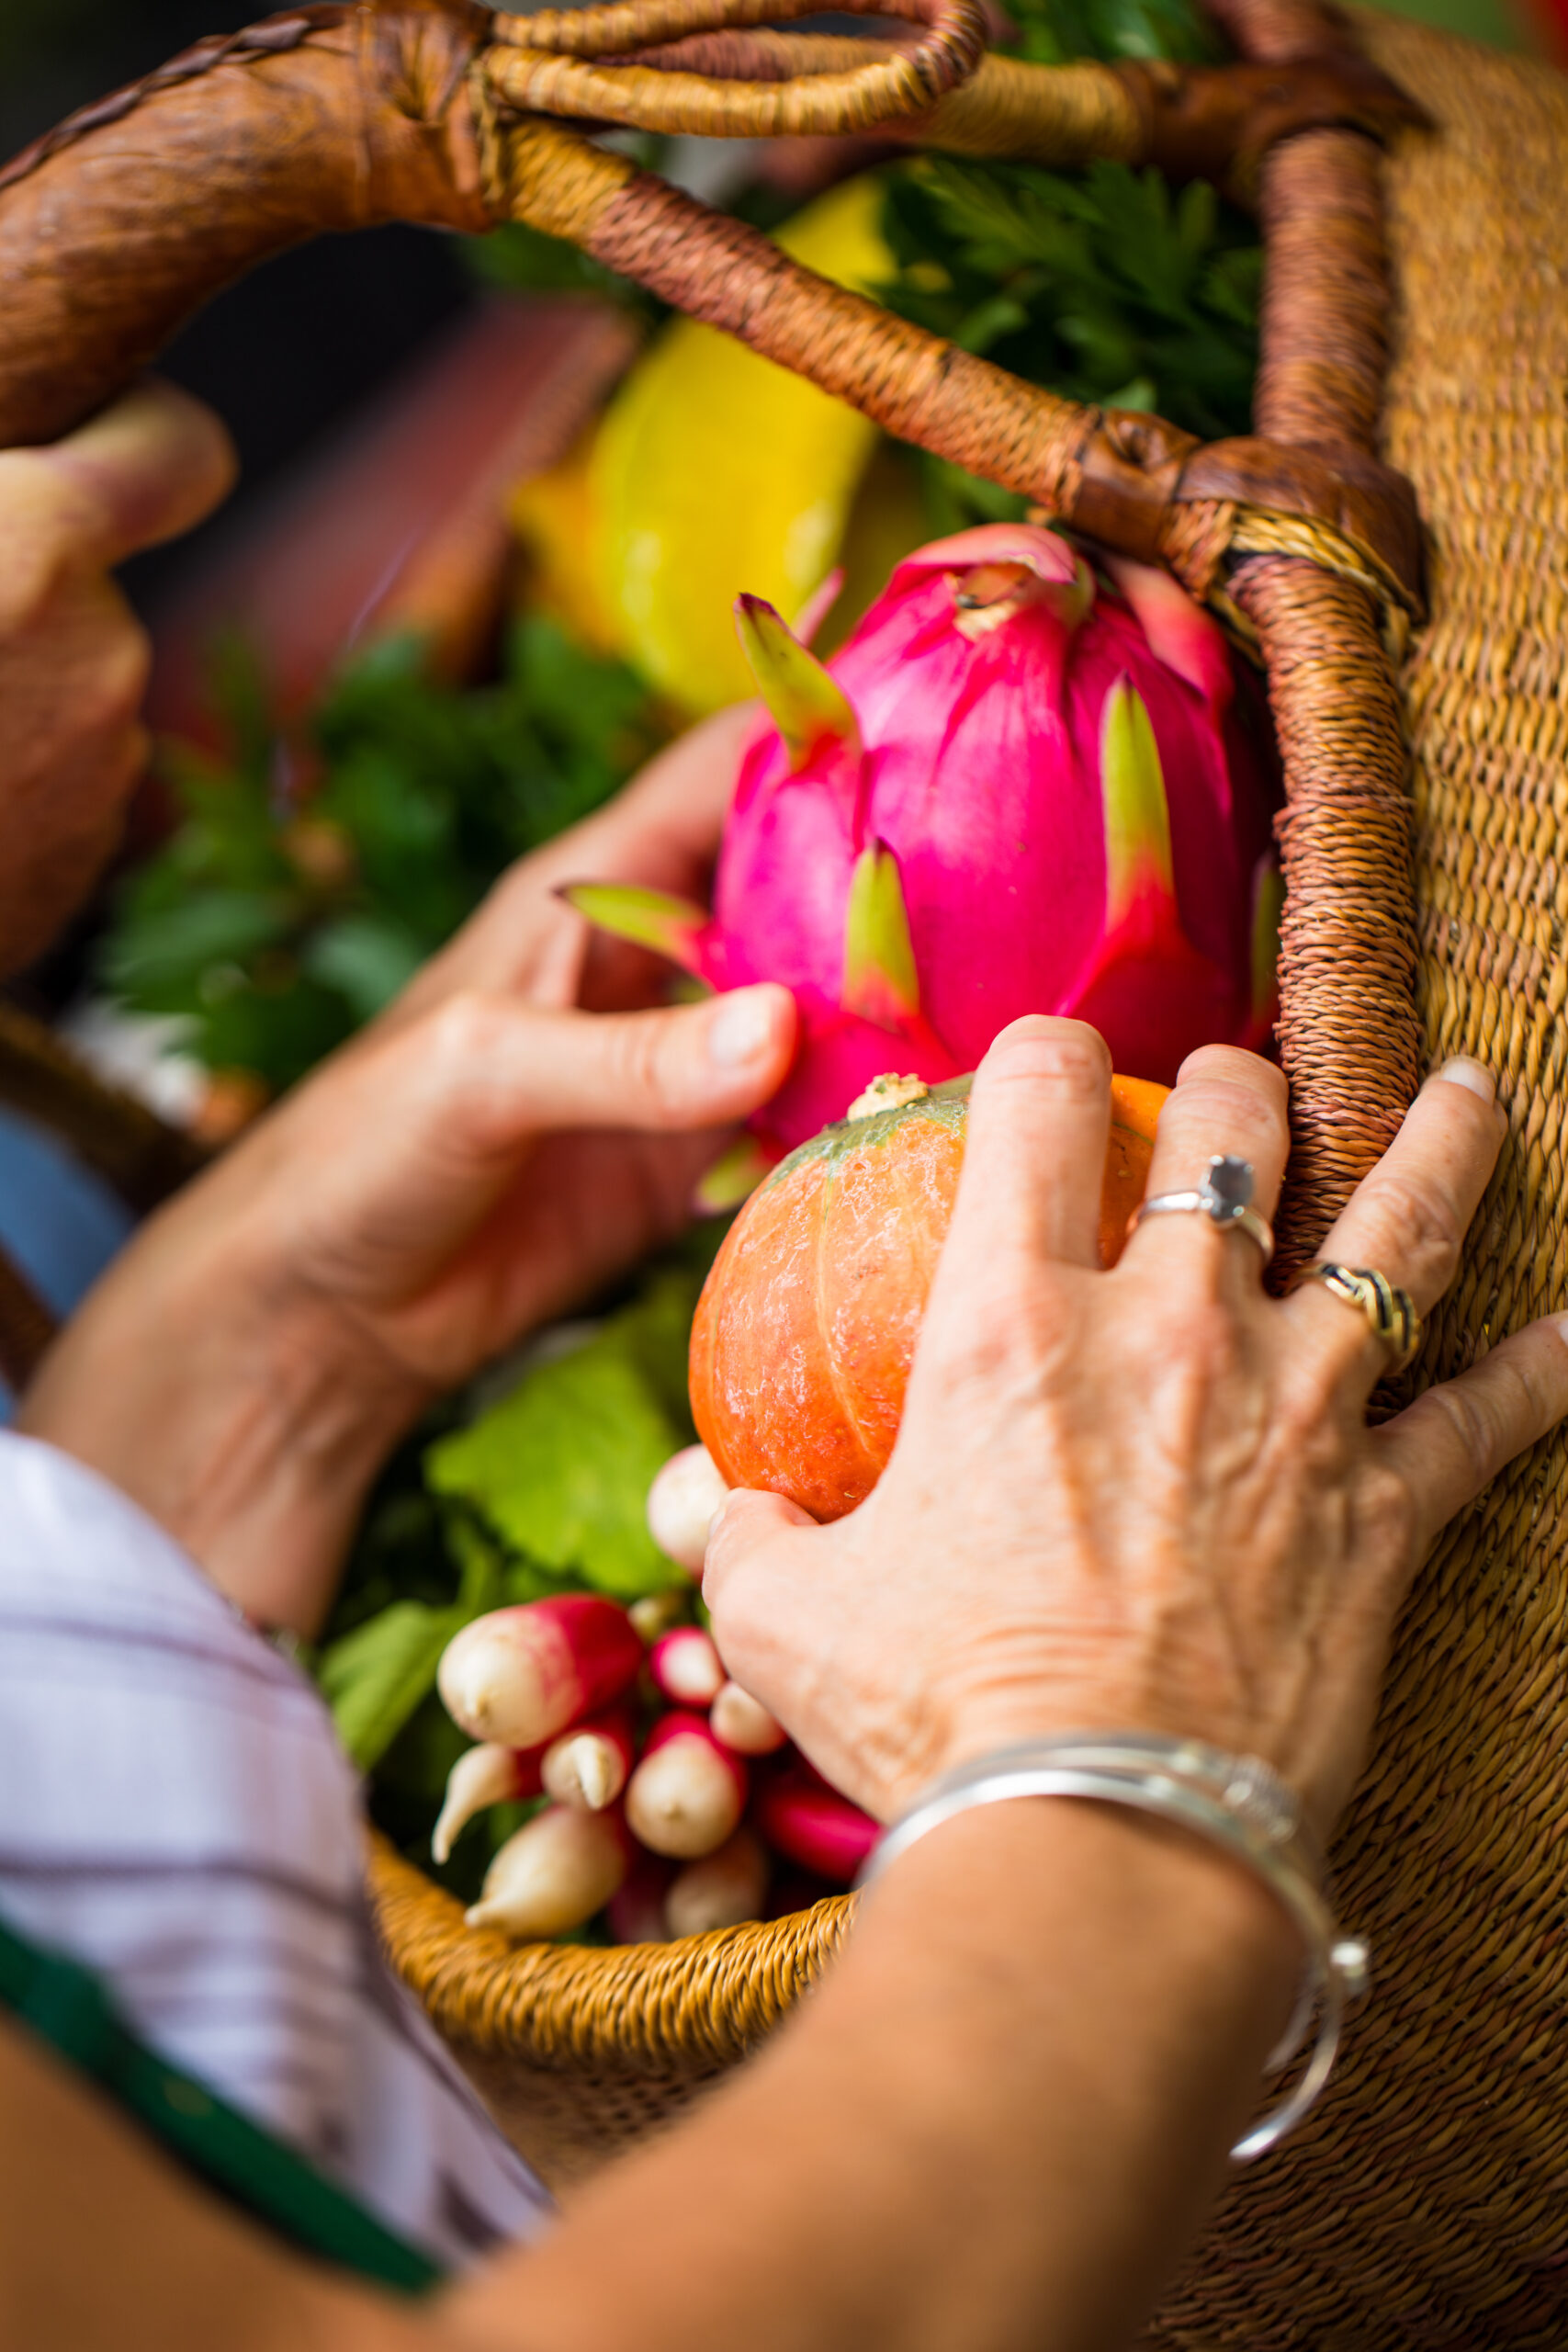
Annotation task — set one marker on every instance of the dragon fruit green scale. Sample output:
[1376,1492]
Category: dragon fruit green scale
[1018,787]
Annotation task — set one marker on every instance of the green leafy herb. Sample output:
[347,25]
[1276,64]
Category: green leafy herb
[378,1673]
[1054,31]
[277,926]
[1108,287]
[375,1677]
[560,1467]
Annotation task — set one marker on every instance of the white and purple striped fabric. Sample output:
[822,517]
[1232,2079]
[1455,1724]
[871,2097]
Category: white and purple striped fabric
[176,1815]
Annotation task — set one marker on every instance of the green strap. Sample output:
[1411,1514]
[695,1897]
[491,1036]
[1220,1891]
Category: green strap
[65,2005]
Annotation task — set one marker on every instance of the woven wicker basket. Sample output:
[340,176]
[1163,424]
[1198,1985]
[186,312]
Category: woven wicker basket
[1426,746]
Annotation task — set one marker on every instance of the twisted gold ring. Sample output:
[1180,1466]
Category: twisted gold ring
[1390,1312]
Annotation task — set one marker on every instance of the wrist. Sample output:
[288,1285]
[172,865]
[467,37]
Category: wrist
[1191,1961]
[237,1412]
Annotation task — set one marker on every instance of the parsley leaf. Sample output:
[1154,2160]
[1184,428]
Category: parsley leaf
[275,923]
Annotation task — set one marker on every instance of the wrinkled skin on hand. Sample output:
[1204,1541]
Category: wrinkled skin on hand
[527,1120]
[1145,1499]
[72,657]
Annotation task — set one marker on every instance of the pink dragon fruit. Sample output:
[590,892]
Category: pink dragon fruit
[1022,787]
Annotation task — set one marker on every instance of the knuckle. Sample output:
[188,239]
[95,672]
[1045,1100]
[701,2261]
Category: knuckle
[1419,1218]
[1472,1424]
[1233,1064]
[41,539]
[1387,1512]
[986,1352]
[109,693]
[1307,1429]
[642,1068]
[1184,1331]
[464,1034]
[1218,1104]
[1067,1055]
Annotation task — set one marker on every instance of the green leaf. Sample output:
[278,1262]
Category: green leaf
[560,1467]
[174,945]
[1087,283]
[375,1677]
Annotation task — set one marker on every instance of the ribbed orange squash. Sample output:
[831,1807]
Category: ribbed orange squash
[806,1328]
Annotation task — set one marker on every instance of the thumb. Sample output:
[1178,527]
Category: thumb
[141,471]
[745,1522]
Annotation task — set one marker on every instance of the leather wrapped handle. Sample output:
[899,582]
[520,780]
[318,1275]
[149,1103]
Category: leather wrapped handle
[119,225]
[136,211]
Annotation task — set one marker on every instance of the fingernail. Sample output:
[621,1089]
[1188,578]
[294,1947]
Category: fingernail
[1462,1072]
[742,1028]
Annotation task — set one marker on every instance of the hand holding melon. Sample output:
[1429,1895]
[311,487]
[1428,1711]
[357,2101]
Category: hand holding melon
[807,1326]
[1142,1499]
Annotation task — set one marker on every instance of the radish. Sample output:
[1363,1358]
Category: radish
[681,1504]
[742,1722]
[588,1765]
[811,1823]
[687,1795]
[488,1774]
[720,1890]
[521,1675]
[635,1911]
[658,1611]
[553,1874]
[687,1667]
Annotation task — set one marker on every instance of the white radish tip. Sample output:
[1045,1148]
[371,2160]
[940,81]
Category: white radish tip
[585,1769]
[491,1684]
[485,1776]
[683,1800]
[554,1873]
[681,1504]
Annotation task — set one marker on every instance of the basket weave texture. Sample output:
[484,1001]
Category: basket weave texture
[1424,2201]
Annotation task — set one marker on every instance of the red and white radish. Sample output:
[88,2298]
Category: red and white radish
[588,1765]
[720,1890]
[521,1675]
[635,1914]
[687,1667]
[488,1774]
[681,1504]
[739,1722]
[811,1823]
[688,1794]
[553,1874]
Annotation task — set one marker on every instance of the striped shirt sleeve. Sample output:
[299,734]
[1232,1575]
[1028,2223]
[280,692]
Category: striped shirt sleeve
[176,1815]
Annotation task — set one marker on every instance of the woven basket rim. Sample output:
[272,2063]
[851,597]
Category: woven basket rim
[692,2006]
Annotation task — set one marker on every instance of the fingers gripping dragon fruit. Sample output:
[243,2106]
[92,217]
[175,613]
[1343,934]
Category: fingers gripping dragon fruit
[1018,787]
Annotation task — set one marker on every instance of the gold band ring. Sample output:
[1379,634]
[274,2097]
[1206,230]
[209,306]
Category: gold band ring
[1389,1311]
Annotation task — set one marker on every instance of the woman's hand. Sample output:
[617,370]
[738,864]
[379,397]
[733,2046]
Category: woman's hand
[1143,1499]
[475,1162]
[72,658]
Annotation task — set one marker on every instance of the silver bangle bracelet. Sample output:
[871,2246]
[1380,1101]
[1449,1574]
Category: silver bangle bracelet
[1238,1804]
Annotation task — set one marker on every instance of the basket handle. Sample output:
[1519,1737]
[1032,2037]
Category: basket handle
[337,116]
